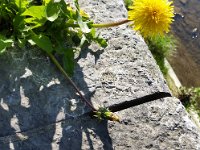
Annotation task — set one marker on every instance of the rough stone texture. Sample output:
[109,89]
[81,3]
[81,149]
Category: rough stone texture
[162,124]
[126,69]
[40,110]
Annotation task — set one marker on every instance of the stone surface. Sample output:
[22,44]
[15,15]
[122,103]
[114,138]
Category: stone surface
[126,69]
[40,110]
[162,124]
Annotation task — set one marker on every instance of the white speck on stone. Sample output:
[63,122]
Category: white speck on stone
[61,114]
[4,105]
[11,145]
[53,82]
[57,136]
[58,128]
[14,122]
[22,137]
[81,93]
[24,99]
[73,105]
[16,79]
[27,73]
[68,128]
[41,88]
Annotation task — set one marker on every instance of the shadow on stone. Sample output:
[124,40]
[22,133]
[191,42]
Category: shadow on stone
[40,110]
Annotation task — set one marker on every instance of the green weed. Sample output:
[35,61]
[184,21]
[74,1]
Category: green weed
[54,27]
[190,97]
[161,47]
[128,3]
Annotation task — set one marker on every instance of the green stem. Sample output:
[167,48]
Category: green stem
[112,24]
[102,25]
[71,82]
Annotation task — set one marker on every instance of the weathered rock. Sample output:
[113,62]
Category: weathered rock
[162,124]
[126,69]
[40,110]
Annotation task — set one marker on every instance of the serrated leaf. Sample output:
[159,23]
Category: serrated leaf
[46,2]
[43,42]
[21,3]
[35,12]
[102,42]
[93,33]
[76,4]
[35,16]
[52,11]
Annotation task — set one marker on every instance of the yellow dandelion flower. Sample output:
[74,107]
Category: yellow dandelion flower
[151,17]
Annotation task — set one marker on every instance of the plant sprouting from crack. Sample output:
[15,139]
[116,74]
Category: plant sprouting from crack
[190,97]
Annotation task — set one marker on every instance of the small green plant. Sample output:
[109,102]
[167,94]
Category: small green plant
[190,97]
[128,3]
[105,113]
[161,47]
[52,26]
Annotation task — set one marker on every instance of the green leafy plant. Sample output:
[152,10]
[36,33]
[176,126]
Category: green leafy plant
[128,3]
[190,97]
[105,113]
[52,26]
[161,47]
